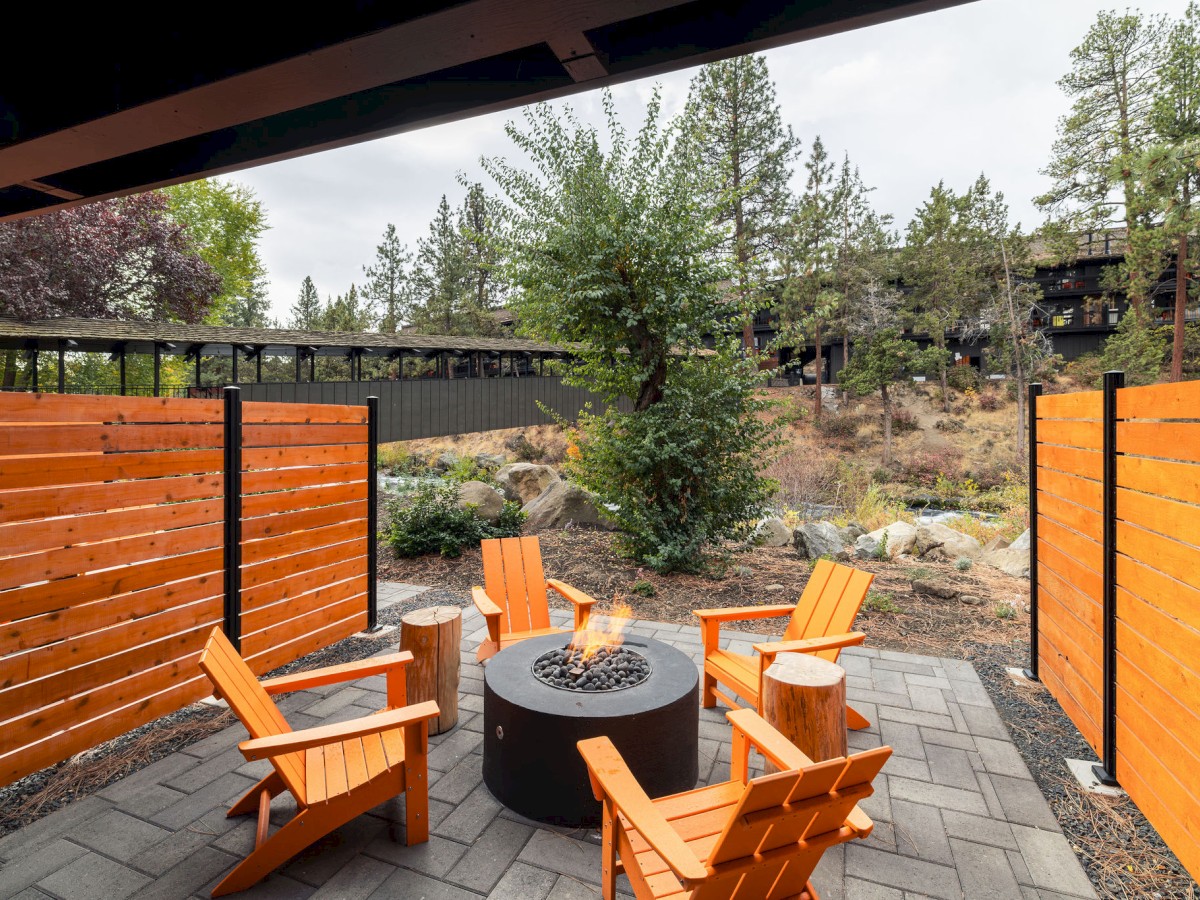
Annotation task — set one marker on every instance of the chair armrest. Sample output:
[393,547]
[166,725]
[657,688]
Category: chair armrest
[611,778]
[293,741]
[860,821]
[769,742]
[744,612]
[808,645]
[332,674]
[582,602]
[490,611]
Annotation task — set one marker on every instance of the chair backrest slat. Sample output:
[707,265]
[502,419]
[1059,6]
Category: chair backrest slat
[253,706]
[829,604]
[515,581]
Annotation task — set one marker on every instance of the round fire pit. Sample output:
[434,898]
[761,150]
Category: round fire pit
[530,728]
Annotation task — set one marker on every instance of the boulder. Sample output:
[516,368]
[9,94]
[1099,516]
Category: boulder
[1021,542]
[851,533]
[952,544]
[490,460]
[1011,560]
[816,539]
[562,503]
[444,462]
[771,532]
[935,589]
[970,600]
[901,536]
[486,499]
[996,543]
[523,482]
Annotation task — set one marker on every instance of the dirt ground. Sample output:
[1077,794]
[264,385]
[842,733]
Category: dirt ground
[586,559]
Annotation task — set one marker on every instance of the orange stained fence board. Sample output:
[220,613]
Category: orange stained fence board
[1173,597]
[31,536]
[283,566]
[301,583]
[26,440]
[43,503]
[1177,827]
[62,624]
[1147,710]
[259,412]
[85,468]
[1178,521]
[1168,440]
[1178,400]
[1080,463]
[1174,480]
[1083,719]
[1081,435]
[1086,584]
[307,476]
[302,498]
[1084,491]
[1170,557]
[300,520]
[1087,550]
[1159,646]
[272,657]
[1072,613]
[286,457]
[310,621]
[80,649]
[312,539]
[65,561]
[327,595]
[23,407]
[88,733]
[1081,519]
[295,435]
[1076,405]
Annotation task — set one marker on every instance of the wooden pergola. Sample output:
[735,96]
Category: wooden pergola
[251,345]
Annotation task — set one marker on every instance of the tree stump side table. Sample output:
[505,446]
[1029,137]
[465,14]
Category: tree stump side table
[804,697]
[434,636]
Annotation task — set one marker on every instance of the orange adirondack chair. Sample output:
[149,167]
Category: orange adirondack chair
[820,624]
[334,772]
[514,602]
[743,839]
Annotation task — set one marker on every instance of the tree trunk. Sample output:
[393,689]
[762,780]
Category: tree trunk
[887,427]
[804,698]
[1180,305]
[845,359]
[943,373]
[820,364]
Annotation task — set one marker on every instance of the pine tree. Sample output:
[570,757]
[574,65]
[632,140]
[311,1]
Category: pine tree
[481,227]
[441,277]
[745,153]
[347,312]
[1112,81]
[306,311]
[387,281]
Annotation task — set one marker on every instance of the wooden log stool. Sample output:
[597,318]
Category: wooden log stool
[804,697]
[433,635]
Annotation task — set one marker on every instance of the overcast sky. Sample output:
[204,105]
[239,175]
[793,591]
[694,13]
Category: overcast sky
[941,96]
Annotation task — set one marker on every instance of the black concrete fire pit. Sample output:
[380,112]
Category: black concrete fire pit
[531,726]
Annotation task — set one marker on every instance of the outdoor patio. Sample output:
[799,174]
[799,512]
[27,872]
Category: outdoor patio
[956,811]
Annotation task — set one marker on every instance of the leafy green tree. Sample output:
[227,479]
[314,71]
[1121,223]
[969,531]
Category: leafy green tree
[387,281]
[613,250]
[883,356]
[306,311]
[745,153]
[809,299]
[940,266]
[1112,84]
[1170,170]
[225,221]
[1136,348]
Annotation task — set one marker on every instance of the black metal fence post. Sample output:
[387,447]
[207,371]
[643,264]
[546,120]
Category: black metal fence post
[1106,771]
[372,513]
[233,516]
[1035,391]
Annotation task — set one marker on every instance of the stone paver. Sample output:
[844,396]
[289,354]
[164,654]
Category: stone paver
[957,814]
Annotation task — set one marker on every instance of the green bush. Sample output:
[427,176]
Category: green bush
[644,588]
[466,469]
[963,563]
[880,601]
[430,521]
[964,378]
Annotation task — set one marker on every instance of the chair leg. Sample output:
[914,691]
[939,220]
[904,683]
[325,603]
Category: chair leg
[855,720]
[289,840]
[608,853]
[249,802]
[708,699]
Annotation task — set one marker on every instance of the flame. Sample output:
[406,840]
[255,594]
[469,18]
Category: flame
[592,641]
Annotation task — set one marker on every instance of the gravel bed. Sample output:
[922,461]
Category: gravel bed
[1120,850]
[39,794]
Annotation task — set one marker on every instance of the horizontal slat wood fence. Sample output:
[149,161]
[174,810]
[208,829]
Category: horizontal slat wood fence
[113,555]
[1154,552]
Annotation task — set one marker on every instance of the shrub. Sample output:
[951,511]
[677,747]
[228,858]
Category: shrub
[841,428]
[964,378]
[1006,610]
[925,466]
[880,601]
[643,588]
[804,479]
[989,401]
[430,521]
[524,449]
[903,420]
[466,469]
[963,563]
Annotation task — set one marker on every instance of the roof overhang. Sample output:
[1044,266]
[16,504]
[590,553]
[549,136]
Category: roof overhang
[126,100]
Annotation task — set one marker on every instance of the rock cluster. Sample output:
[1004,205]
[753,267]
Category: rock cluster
[611,669]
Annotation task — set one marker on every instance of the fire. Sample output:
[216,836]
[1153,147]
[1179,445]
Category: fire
[592,641]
